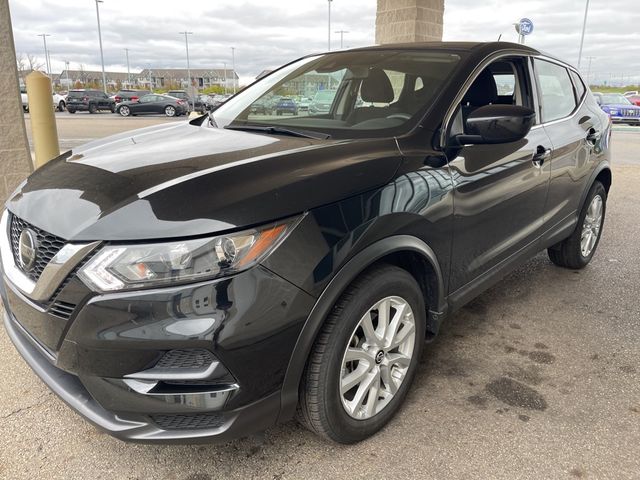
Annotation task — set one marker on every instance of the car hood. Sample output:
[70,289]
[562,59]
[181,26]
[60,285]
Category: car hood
[621,106]
[181,179]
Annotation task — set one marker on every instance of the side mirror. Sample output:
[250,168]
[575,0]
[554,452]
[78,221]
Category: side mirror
[492,124]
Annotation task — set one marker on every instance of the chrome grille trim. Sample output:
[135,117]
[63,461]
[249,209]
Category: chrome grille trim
[53,274]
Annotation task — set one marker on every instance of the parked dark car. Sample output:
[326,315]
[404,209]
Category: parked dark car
[286,105]
[198,281]
[261,107]
[619,108]
[322,102]
[154,103]
[195,104]
[126,95]
[90,101]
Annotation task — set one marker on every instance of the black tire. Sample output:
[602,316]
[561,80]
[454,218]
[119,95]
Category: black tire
[568,253]
[93,108]
[320,408]
[112,108]
[61,106]
[26,108]
[71,110]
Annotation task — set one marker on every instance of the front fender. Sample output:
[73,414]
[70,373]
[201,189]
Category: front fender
[331,294]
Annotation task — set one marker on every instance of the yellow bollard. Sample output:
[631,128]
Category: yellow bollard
[43,120]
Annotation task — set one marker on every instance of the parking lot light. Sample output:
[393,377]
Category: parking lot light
[104,77]
[186,43]
[584,27]
[46,53]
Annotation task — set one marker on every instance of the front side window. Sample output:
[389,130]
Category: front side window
[556,90]
[344,94]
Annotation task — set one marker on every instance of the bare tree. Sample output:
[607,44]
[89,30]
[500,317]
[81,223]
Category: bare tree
[33,63]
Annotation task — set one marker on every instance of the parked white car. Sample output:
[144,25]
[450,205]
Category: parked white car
[59,101]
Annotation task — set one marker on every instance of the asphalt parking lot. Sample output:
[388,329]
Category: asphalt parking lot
[539,377]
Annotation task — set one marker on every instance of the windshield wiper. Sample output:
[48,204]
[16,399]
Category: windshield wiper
[275,130]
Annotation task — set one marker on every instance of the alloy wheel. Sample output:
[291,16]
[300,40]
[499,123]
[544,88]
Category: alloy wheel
[170,111]
[591,226]
[124,111]
[377,357]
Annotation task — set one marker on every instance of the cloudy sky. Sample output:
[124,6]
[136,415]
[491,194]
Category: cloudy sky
[266,34]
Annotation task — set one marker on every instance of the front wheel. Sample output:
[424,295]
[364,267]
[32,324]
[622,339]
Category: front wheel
[61,106]
[365,357]
[124,111]
[93,108]
[71,110]
[170,111]
[578,250]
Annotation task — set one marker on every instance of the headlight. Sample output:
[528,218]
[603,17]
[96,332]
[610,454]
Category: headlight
[613,111]
[122,267]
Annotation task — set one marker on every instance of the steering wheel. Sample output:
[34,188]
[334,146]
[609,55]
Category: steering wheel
[401,116]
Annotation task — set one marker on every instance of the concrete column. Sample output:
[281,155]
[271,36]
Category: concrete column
[15,156]
[401,21]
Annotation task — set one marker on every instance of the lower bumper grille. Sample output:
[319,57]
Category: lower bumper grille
[188,422]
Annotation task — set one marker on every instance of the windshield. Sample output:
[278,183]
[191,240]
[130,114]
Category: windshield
[353,94]
[615,99]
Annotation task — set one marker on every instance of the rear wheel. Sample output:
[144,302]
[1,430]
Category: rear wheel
[93,108]
[61,105]
[170,111]
[365,357]
[71,110]
[577,250]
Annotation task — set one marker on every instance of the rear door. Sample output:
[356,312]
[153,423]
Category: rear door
[499,190]
[573,128]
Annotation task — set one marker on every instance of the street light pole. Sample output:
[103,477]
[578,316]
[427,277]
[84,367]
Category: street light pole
[225,77]
[104,77]
[186,43]
[233,68]
[126,50]
[329,27]
[341,32]
[46,52]
[584,27]
[589,71]
[66,64]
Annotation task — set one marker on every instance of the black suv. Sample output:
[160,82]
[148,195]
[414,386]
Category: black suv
[202,280]
[89,101]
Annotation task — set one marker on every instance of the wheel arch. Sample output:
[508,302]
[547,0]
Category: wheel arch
[601,173]
[405,251]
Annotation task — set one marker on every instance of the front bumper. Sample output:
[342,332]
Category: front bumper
[103,360]
[138,427]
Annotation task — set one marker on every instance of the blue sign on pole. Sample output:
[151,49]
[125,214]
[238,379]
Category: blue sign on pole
[526,26]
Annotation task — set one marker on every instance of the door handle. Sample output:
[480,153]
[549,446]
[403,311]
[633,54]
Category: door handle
[542,154]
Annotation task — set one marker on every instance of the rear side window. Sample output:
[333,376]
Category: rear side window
[577,82]
[556,90]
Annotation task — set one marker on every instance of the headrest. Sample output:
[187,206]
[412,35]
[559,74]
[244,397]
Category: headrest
[376,88]
[483,90]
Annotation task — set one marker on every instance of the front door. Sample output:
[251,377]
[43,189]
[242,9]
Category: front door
[499,190]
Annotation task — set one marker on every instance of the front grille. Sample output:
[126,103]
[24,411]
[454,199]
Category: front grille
[191,359]
[48,246]
[62,309]
[189,422]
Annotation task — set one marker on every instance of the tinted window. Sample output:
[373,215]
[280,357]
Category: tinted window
[355,93]
[580,88]
[556,90]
